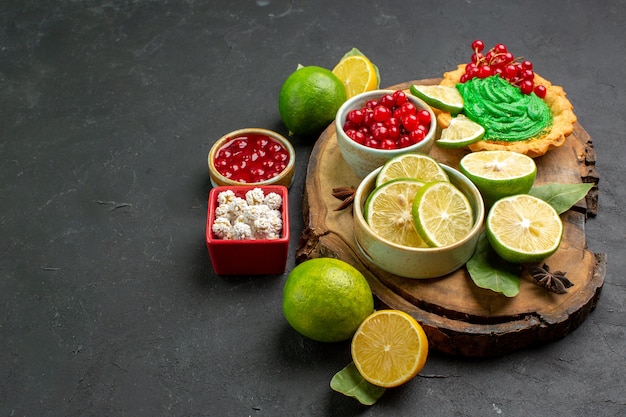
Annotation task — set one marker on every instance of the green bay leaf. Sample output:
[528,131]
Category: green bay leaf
[349,382]
[489,271]
[561,196]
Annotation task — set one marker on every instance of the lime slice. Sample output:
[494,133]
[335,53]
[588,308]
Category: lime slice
[440,97]
[442,214]
[462,131]
[411,165]
[387,211]
[523,229]
[499,174]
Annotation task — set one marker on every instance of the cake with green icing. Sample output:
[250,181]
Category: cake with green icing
[512,120]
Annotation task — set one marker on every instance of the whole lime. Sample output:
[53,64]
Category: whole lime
[326,299]
[309,100]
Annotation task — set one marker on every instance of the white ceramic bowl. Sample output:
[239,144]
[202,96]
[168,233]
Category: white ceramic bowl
[417,262]
[283,178]
[362,159]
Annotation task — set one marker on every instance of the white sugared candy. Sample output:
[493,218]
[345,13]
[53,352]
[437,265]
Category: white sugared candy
[258,216]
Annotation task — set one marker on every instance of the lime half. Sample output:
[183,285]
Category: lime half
[523,229]
[411,165]
[442,214]
[440,97]
[387,211]
[499,174]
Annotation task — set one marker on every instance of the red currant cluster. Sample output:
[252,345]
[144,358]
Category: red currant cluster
[499,61]
[391,122]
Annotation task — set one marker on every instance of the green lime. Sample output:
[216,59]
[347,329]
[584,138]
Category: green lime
[462,131]
[309,100]
[499,174]
[439,96]
[387,211]
[523,229]
[442,214]
[326,299]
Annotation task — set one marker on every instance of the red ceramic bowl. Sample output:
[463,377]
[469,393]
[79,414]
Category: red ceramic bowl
[248,257]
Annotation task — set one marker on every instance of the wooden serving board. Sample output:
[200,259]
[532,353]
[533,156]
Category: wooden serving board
[460,318]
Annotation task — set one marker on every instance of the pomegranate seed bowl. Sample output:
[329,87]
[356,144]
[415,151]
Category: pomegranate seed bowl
[375,126]
[414,262]
[247,229]
[252,156]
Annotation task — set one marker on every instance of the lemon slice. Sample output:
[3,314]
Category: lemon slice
[442,214]
[389,348]
[357,73]
[387,211]
[462,131]
[411,165]
[523,229]
[439,96]
[499,174]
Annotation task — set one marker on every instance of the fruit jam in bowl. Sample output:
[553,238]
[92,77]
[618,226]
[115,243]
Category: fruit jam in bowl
[375,126]
[252,156]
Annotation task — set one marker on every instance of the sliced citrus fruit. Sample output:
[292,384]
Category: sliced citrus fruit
[442,214]
[523,229]
[499,174]
[387,211]
[357,73]
[441,97]
[411,165]
[462,131]
[389,348]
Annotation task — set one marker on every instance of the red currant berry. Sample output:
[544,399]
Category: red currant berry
[527,74]
[526,86]
[416,135]
[485,71]
[478,45]
[510,72]
[388,144]
[382,113]
[399,97]
[393,132]
[541,91]
[424,117]
[380,133]
[404,141]
[527,65]
[410,122]
[371,104]
[500,48]
[387,101]
[408,108]
[478,58]
[356,116]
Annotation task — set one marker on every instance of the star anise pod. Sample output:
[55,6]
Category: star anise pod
[552,281]
[346,195]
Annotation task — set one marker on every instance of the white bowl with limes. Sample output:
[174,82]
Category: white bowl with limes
[363,159]
[418,262]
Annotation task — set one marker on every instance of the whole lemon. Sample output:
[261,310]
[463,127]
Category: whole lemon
[326,299]
[309,100]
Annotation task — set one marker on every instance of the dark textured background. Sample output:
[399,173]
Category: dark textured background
[108,302]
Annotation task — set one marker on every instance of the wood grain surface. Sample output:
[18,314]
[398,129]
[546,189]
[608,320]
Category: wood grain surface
[460,318]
